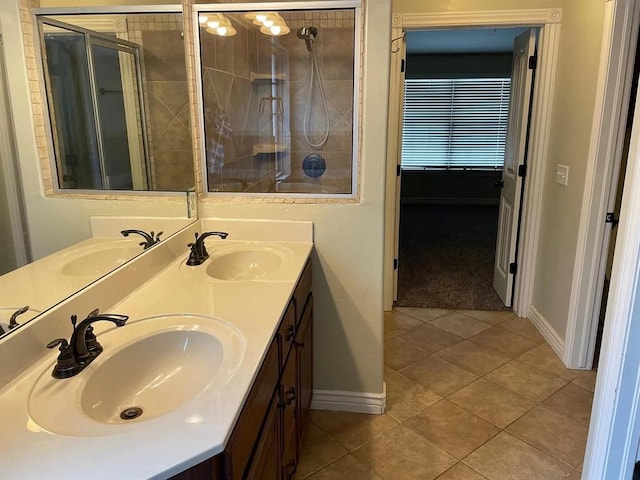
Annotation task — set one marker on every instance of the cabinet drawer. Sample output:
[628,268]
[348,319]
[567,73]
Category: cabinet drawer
[287,333]
[302,290]
[243,439]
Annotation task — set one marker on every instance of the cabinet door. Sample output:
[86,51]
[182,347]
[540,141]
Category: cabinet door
[304,362]
[266,462]
[289,402]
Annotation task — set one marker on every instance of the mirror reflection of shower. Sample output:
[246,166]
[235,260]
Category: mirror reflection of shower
[308,34]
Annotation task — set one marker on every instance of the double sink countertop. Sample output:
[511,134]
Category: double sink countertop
[187,433]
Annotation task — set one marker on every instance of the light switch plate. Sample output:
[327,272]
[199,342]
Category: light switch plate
[562,174]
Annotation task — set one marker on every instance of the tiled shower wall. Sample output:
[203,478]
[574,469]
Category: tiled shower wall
[232,103]
[229,109]
[167,98]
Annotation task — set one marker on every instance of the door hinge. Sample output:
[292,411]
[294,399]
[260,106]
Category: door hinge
[533,62]
[522,170]
[398,169]
[611,218]
[402,65]
[395,263]
[513,268]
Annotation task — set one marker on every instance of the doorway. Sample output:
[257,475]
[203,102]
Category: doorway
[456,194]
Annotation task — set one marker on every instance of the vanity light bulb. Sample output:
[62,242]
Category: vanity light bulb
[268,23]
[202,19]
[222,31]
[276,30]
[213,24]
[261,17]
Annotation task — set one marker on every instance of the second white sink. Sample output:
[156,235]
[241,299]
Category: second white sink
[149,368]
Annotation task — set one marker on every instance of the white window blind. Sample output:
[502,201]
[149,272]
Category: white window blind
[455,123]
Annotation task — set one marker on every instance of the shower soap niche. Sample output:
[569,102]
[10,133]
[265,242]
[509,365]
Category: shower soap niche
[259,148]
[258,78]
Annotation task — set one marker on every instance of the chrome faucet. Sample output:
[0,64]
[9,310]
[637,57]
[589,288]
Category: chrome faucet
[150,239]
[199,253]
[83,347]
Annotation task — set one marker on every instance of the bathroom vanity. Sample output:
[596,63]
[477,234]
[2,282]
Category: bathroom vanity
[217,359]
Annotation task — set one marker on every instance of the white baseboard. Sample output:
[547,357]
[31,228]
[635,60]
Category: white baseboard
[357,402]
[547,331]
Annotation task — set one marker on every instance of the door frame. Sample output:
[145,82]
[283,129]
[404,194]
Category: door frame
[548,21]
[619,38]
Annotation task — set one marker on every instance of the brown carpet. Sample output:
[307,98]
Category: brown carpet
[446,257]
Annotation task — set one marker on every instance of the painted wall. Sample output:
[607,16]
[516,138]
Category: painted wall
[420,6]
[347,280]
[571,124]
[55,223]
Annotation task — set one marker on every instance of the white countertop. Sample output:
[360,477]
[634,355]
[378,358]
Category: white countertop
[166,445]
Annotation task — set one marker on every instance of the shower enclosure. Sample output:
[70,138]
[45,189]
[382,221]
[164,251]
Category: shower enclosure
[94,97]
[278,100]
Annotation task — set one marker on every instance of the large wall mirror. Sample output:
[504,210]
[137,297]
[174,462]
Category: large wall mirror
[118,102]
[120,121]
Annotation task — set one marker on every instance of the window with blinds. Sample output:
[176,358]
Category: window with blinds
[455,123]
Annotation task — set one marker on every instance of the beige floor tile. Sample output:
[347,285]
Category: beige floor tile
[522,326]
[352,430]
[504,457]
[399,353]
[460,324]
[573,402]
[452,428]
[439,376]
[318,450]
[403,454]
[405,397]
[574,475]
[430,339]
[543,358]
[526,381]
[424,314]
[346,467]
[460,472]
[492,402]
[494,318]
[473,357]
[505,341]
[396,322]
[586,379]
[552,433]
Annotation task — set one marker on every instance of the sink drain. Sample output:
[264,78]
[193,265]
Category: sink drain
[130,413]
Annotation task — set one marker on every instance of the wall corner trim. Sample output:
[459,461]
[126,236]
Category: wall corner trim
[356,402]
[546,330]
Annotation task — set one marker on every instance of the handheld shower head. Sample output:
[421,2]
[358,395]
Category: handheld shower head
[307,34]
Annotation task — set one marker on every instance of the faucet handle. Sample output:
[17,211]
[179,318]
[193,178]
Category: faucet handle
[58,341]
[66,365]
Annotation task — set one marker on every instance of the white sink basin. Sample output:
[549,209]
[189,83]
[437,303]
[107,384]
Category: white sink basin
[243,263]
[239,265]
[149,369]
[100,260]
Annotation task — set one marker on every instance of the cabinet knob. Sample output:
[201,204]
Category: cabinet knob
[291,331]
[290,396]
[290,469]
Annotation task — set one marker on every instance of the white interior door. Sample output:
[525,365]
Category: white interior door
[519,104]
[394,148]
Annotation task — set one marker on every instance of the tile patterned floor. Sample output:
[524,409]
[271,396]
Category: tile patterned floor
[470,396]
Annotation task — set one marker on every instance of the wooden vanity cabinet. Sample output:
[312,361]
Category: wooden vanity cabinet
[266,440]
